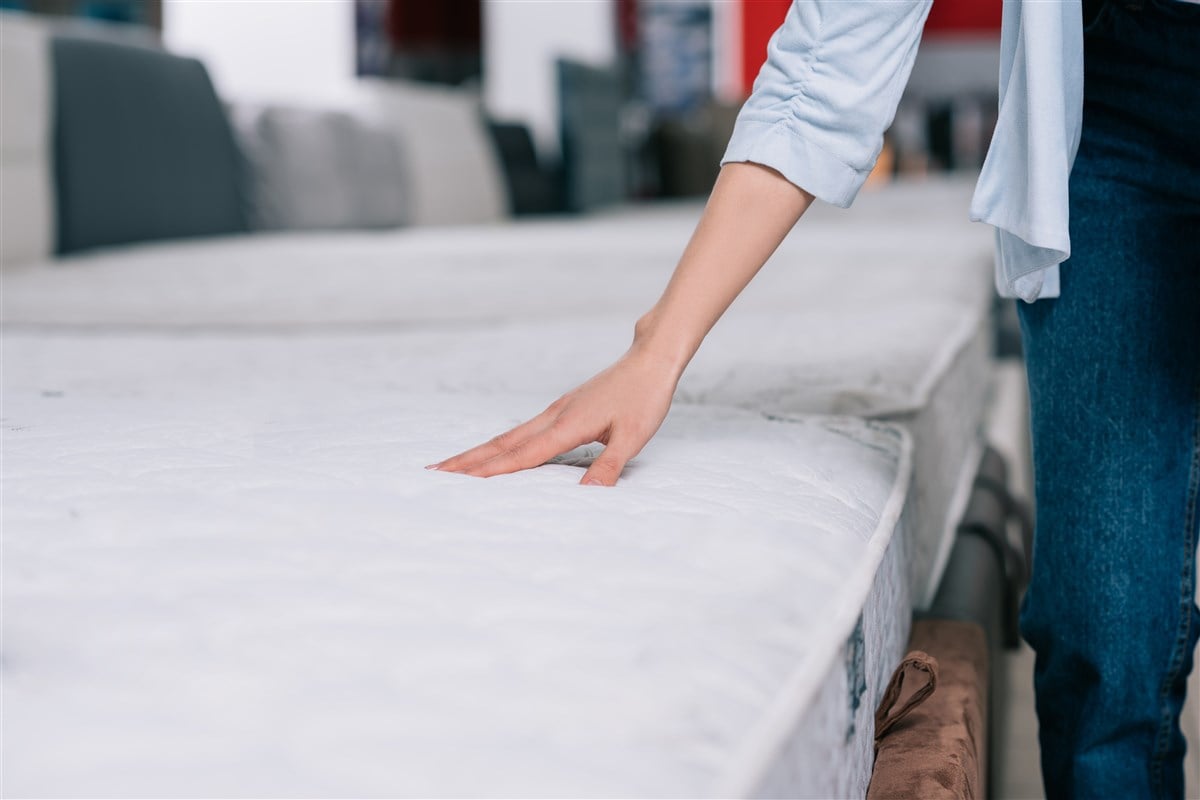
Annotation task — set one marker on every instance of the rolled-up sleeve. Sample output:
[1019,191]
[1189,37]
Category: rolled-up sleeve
[834,74]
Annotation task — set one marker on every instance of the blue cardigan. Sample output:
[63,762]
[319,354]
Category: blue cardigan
[834,74]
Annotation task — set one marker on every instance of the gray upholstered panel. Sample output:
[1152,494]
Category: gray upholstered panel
[142,145]
[593,162]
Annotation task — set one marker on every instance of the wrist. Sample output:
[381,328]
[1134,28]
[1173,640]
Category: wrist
[660,344]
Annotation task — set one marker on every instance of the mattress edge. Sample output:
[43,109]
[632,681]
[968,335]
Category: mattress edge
[769,735]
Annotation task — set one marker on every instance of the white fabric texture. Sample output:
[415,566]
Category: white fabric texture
[264,593]
[27,225]
[1022,189]
[925,364]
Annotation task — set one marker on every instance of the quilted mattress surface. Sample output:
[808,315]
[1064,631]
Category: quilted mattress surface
[881,312]
[911,241]
[253,587]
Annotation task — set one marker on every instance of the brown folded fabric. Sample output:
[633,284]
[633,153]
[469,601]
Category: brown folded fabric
[931,727]
[914,680]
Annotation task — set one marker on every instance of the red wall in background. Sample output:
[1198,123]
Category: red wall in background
[964,16]
[760,18]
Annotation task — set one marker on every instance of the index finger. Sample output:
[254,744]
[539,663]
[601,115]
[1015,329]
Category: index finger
[495,446]
[534,451]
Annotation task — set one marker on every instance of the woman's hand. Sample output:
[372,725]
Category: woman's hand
[621,406]
[750,210]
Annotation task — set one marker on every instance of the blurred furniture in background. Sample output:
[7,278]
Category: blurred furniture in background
[688,149]
[143,149]
[532,187]
[102,128]
[949,108]
[451,165]
[147,13]
[313,169]
[27,226]
[593,158]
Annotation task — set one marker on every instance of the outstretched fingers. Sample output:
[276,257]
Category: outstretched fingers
[495,446]
[534,442]
[544,445]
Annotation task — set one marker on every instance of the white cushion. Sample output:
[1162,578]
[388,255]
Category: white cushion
[26,189]
[453,168]
[321,169]
[25,84]
[26,197]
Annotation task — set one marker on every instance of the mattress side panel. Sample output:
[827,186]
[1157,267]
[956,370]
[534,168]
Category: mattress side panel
[831,751]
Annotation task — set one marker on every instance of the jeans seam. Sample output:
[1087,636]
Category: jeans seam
[1188,588]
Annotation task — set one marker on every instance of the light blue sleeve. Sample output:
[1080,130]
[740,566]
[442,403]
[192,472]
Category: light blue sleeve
[834,74]
[1023,187]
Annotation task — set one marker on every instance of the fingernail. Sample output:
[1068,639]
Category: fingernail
[432,466]
[592,482]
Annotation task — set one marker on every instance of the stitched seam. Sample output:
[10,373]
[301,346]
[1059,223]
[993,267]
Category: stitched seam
[788,125]
[1162,740]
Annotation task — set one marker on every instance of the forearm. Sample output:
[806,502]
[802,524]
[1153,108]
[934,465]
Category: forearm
[750,211]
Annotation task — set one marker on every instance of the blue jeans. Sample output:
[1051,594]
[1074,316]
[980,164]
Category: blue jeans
[1114,373]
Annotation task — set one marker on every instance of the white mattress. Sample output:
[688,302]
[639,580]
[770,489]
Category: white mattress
[926,363]
[913,242]
[890,325]
[253,588]
[318,369]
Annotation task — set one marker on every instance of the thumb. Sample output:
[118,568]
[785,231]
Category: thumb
[607,467]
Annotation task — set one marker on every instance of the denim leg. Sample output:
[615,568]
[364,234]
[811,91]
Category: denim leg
[1114,373]
[1110,609]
